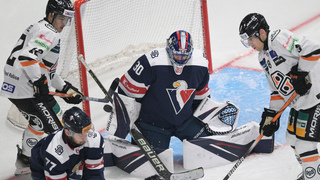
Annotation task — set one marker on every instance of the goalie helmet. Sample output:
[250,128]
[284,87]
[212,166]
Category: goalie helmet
[62,7]
[250,26]
[76,120]
[179,48]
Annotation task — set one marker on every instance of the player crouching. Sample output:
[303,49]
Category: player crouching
[74,152]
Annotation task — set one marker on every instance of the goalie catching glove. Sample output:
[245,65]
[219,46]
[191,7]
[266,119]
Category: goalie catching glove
[266,127]
[69,89]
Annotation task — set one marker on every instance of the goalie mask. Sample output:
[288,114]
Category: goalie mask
[179,48]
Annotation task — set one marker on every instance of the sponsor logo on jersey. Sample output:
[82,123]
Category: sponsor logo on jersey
[42,44]
[292,45]
[11,75]
[7,87]
[50,120]
[31,142]
[310,172]
[56,49]
[286,44]
[43,37]
[49,26]
[264,65]
[275,34]
[276,59]
[314,123]
[179,95]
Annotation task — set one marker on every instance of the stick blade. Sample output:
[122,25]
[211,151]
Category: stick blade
[190,174]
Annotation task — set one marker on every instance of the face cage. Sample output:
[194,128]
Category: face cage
[245,38]
[179,62]
[66,13]
[90,131]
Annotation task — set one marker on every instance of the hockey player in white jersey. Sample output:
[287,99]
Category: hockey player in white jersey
[74,152]
[291,63]
[29,72]
[169,82]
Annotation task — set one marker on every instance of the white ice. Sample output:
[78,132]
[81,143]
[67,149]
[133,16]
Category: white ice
[224,19]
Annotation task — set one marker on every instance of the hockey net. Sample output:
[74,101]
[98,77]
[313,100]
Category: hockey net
[112,33]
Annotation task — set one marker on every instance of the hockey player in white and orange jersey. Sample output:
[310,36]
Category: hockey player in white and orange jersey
[29,72]
[291,63]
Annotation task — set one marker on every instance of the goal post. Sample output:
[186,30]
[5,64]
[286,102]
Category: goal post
[110,34]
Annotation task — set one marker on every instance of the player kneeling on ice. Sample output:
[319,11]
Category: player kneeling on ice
[74,152]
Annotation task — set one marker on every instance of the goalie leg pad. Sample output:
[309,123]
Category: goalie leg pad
[218,150]
[120,122]
[131,159]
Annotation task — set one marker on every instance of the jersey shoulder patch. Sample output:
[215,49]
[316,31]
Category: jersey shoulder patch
[198,58]
[158,57]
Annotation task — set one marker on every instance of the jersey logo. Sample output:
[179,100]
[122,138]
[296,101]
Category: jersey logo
[59,149]
[154,54]
[282,83]
[8,87]
[276,59]
[179,95]
[275,34]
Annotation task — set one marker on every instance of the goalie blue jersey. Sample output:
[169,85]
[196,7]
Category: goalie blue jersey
[167,99]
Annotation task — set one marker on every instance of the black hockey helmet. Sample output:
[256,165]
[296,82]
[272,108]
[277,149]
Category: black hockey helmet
[62,7]
[251,24]
[77,121]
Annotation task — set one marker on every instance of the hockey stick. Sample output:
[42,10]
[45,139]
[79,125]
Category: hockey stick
[103,100]
[259,138]
[109,98]
[158,165]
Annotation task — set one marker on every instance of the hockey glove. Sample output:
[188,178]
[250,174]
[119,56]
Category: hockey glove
[267,128]
[298,80]
[41,89]
[76,94]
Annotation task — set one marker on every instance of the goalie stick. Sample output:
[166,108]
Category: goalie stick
[152,156]
[259,138]
[103,100]
[158,164]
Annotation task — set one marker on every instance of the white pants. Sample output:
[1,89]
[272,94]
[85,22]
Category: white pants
[307,151]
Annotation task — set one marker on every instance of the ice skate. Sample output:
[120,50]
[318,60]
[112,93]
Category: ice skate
[22,163]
